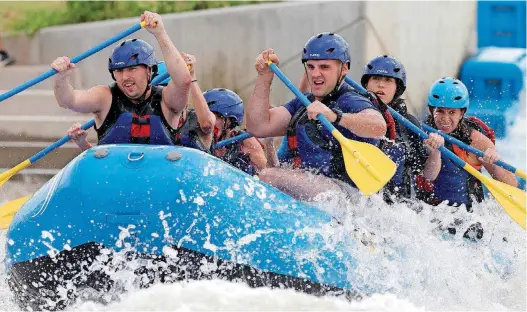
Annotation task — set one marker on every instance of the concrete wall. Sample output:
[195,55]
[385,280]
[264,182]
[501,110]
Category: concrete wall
[430,38]
[225,41]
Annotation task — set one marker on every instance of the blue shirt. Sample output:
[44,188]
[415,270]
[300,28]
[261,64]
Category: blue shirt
[349,102]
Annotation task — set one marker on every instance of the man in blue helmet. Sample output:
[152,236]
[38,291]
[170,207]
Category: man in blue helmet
[326,59]
[385,76]
[247,155]
[131,110]
[194,128]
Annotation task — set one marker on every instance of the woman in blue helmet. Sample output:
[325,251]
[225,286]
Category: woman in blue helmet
[448,101]
[193,129]
[131,110]
[385,76]
[317,156]
[247,155]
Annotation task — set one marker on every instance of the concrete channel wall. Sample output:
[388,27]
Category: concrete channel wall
[430,38]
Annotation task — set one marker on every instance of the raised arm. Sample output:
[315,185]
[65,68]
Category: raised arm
[175,95]
[260,120]
[93,100]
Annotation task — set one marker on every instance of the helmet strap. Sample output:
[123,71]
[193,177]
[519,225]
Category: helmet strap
[339,81]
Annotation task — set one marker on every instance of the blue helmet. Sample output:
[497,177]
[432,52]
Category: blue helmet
[161,69]
[386,66]
[326,46]
[226,103]
[448,92]
[132,52]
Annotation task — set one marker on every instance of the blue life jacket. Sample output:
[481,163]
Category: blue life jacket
[144,123]
[454,184]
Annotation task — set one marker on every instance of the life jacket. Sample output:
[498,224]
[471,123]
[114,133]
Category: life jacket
[453,182]
[311,146]
[237,158]
[396,149]
[144,123]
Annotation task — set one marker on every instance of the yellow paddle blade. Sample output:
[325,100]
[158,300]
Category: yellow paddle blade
[521,174]
[512,199]
[368,167]
[8,210]
[6,175]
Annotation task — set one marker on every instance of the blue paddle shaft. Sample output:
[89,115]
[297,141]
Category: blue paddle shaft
[467,147]
[86,126]
[75,60]
[300,95]
[57,144]
[238,138]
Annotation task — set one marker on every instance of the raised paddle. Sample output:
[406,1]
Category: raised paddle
[473,150]
[75,60]
[6,175]
[512,199]
[368,167]
[8,210]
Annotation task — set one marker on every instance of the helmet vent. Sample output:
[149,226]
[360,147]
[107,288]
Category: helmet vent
[455,82]
[122,44]
[222,89]
[210,103]
[331,34]
[305,51]
[436,96]
[320,35]
[396,69]
[134,56]
[330,50]
[134,40]
[457,97]
[370,67]
[441,81]
[385,56]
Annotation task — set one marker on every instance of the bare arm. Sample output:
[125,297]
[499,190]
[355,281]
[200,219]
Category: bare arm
[206,118]
[262,121]
[252,147]
[432,165]
[93,100]
[368,123]
[175,95]
[270,153]
[484,144]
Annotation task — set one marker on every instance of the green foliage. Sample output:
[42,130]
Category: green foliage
[88,11]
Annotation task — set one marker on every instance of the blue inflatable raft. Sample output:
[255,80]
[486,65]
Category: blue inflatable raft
[147,198]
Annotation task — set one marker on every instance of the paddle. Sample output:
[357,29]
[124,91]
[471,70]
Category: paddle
[8,210]
[75,60]
[238,138]
[368,167]
[6,175]
[512,199]
[473,150]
